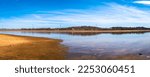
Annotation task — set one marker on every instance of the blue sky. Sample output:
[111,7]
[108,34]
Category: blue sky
[53,13]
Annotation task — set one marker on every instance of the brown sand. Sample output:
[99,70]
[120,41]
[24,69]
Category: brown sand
[30,48]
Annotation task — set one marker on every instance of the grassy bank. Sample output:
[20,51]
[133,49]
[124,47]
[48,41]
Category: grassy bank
[30,48]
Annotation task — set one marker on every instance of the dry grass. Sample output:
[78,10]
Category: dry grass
[30,48]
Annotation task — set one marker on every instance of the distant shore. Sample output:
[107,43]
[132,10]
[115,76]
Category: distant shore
[14,47]
[82,31]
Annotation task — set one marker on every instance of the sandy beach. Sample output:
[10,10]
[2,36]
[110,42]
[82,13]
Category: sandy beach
[14,47]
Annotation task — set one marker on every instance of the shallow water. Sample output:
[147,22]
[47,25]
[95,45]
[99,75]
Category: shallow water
[100,46]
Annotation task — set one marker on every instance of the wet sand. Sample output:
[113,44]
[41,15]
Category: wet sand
[79,56]
[14,47]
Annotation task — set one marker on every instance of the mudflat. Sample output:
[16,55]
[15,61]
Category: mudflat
[14,47]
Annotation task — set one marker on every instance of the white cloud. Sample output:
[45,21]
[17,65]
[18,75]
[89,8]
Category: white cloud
[143,2]
[109,15]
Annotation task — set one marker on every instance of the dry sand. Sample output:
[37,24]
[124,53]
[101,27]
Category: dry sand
[30,48]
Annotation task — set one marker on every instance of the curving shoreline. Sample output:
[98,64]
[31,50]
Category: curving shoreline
[14,47]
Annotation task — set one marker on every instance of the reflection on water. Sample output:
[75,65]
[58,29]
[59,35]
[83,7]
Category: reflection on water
[100,45]
[97,33]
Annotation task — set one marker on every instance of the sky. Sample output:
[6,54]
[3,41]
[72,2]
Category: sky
[66,13]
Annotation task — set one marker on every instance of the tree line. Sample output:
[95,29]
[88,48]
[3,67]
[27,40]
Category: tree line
[89,28]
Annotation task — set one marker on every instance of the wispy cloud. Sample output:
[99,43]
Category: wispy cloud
[109,15]
[146,2]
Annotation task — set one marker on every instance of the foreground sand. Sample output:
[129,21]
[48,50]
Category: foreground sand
[30,48]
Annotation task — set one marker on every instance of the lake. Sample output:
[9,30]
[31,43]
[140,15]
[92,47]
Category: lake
[93,46]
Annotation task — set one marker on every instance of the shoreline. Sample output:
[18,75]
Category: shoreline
[15,47]
[79,31]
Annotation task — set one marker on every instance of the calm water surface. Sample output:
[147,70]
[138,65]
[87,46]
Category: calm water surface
[100,46]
